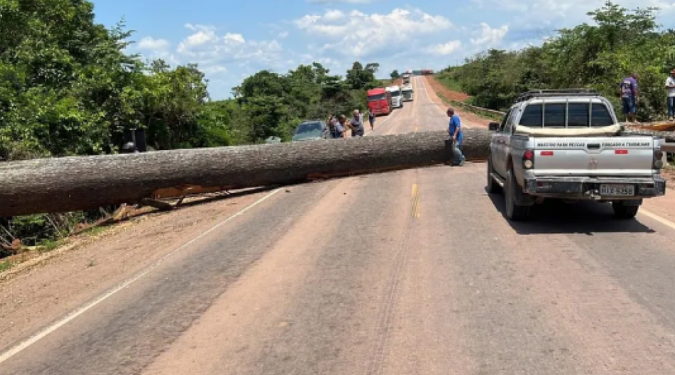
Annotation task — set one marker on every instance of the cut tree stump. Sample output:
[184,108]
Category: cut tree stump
[79,183]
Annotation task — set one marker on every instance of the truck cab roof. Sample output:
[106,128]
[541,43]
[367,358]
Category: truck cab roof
[557,93]
[562,108]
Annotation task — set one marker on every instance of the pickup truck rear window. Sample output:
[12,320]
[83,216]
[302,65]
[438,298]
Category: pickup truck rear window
[576,115]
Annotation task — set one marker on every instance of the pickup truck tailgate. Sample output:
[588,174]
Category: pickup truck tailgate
[598,156]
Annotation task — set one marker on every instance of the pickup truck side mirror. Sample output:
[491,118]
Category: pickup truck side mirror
[494,126]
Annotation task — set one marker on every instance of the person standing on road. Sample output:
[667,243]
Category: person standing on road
[670,87]
[335,128]
[356,124]
[371,118]
[455,132]
[341,126]
[628,90]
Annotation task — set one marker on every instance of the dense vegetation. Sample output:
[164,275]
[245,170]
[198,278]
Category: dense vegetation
[68,88]
[597,55]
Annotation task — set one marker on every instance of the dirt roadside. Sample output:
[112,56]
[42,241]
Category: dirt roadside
[437,87]
[36,296]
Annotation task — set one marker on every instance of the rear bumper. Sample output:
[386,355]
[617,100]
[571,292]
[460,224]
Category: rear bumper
[589,187]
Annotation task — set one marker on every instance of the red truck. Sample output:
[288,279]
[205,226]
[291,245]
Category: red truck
[379,101]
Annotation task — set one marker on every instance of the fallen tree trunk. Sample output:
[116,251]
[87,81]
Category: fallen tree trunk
[669,136]
[79,183]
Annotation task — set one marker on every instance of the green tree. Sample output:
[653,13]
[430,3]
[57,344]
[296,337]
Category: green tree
[359,78]
[395,74]
[372,67]
[598,55]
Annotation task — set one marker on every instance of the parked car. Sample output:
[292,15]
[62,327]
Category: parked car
[310,130]
[568,145]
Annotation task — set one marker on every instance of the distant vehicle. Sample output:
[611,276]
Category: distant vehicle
[427,72]
[379,101]
[568,145]
[396,96]
[407,93]
[310,130]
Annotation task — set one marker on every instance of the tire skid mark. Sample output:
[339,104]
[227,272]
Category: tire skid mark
[388,306]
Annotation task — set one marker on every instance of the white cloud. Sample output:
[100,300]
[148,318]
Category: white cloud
[152,44]
[562,13]
[222,56]
[445,48]
[333,15]
[234,38]
[362,35]
[283,34]
[151,48]
[206,47]
[489,36]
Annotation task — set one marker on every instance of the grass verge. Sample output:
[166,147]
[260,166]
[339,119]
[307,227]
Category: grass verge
[474,110]
[449,83]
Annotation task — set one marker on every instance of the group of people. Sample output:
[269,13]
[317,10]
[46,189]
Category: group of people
[338,125]
[629,93]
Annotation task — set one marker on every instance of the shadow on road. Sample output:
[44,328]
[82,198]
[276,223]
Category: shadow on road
[554,216]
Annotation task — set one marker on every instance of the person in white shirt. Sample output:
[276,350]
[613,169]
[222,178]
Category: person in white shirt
[670,87]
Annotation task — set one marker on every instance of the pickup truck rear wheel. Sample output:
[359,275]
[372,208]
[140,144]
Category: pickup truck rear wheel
[492,186]
[621,211]
[514,211]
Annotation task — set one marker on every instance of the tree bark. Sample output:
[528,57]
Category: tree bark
[79,183]
[668,136]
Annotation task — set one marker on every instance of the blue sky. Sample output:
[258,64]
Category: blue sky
[231,40]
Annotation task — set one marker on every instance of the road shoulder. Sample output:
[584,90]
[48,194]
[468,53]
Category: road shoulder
[58,285]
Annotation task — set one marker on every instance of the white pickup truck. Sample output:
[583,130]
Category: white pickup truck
[568,144]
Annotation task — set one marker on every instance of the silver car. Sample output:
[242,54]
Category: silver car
[310,131]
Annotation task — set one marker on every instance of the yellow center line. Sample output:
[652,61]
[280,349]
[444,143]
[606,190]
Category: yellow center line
[415,204]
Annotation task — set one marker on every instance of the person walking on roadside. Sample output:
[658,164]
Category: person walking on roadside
[670,88]
[628,90]
[455,132]
[356,124]
[371,118]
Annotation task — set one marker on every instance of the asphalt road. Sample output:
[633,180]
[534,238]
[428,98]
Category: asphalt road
[410,272]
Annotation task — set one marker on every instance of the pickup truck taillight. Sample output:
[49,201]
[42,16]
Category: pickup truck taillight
[658,159]
[528,159]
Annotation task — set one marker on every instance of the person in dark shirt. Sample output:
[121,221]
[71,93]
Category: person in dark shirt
[356,124]
[628,90]
[371,118]
[335,128]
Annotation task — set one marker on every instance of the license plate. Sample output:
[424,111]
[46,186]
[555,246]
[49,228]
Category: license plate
[617,190]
